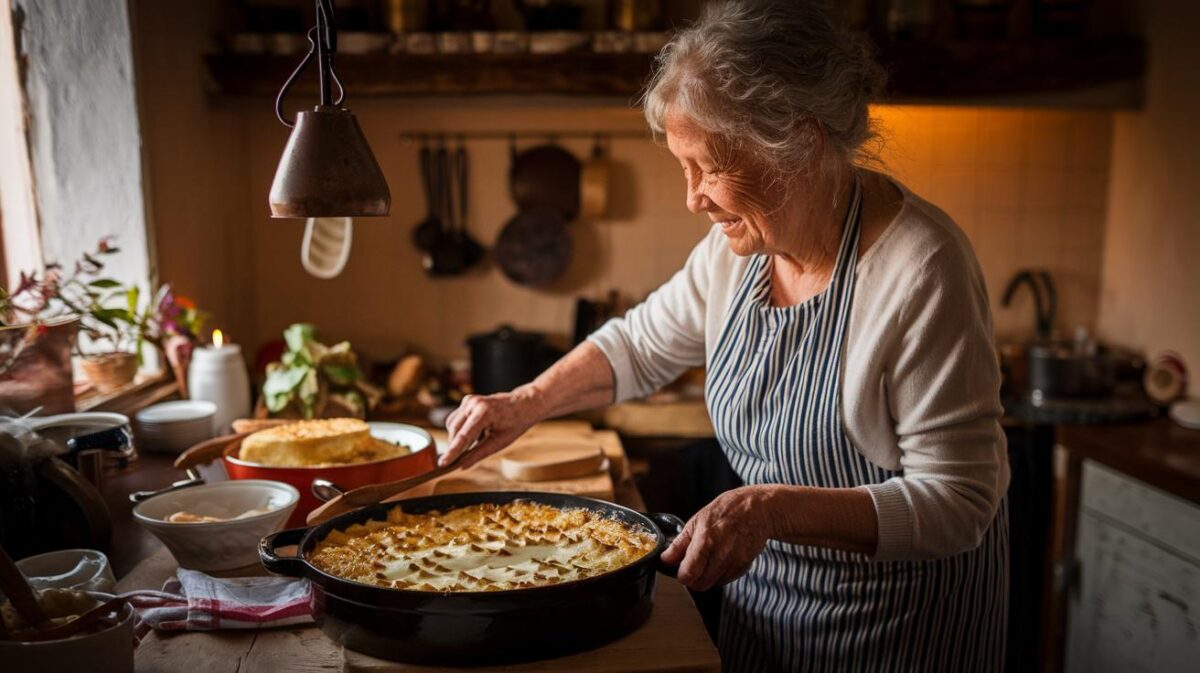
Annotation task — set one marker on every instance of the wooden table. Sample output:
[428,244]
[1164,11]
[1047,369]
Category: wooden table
[674,639]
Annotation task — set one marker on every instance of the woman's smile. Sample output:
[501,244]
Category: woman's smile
[731,227]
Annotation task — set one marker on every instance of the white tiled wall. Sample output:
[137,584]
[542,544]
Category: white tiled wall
[1027,186]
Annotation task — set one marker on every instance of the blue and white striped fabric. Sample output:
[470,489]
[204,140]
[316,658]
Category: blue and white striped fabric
[775,398]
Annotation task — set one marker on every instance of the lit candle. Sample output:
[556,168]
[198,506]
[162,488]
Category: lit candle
[218,374]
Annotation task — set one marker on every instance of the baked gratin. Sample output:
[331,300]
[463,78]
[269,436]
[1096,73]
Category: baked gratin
[486,547]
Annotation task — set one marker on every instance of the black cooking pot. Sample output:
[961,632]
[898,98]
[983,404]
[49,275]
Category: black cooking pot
[477,627]
[506,358]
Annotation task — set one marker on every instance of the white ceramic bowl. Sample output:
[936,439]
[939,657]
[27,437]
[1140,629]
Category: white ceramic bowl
[221,545]
[107,651]
[173,427]
[79,569]
[178,411]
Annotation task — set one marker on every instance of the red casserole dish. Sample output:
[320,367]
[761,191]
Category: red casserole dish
[350,476]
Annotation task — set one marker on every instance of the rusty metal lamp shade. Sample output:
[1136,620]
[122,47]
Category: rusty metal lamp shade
[327,168]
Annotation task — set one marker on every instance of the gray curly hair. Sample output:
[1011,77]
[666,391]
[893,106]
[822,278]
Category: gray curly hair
[766,76]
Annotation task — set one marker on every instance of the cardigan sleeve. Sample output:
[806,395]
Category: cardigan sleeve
[661,338]
[942,387]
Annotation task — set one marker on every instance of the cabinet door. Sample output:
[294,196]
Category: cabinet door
[1138,604]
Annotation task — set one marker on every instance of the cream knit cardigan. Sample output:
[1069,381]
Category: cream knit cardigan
[920,380]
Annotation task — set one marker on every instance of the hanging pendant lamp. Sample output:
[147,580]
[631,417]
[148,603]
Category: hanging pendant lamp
[327,168]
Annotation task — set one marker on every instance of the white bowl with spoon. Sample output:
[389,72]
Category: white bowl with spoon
[218,526]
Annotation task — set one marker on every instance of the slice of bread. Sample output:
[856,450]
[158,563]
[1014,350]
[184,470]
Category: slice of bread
[308,443]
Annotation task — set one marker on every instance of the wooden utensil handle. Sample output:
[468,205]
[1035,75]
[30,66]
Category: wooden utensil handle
[206,451]
[78,624]
[336,507]
[375,493]
[18,591]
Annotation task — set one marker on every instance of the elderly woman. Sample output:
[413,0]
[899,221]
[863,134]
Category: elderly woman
[851,380]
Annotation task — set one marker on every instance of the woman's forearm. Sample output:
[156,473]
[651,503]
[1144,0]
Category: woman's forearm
[836,518]
[581,380]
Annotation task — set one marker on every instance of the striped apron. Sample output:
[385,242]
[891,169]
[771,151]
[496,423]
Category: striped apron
[774,394]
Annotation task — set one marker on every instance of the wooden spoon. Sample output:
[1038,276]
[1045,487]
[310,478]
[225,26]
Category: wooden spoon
[19,593]
[375,493]
[74,626]
[207,451]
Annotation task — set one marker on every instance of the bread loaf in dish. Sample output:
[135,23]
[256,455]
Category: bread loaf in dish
[333,441]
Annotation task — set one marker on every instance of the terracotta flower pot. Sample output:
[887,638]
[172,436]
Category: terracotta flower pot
[110,371]
[35,367]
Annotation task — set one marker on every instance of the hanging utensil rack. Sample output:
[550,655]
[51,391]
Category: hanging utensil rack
[418,136]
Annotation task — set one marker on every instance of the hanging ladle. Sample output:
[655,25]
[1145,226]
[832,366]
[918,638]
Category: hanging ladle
[429,230]
[472,250]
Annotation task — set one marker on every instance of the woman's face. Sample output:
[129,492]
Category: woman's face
[726,188]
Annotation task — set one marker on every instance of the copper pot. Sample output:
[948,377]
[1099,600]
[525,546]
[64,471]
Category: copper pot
[422,459]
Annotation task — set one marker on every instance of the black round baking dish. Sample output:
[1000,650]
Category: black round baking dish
[477,627]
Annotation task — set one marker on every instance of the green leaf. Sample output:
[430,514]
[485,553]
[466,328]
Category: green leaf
[340,375]
[108,316]
[309,391]
[283,381]
[105,283]
[131,299]
[298,335]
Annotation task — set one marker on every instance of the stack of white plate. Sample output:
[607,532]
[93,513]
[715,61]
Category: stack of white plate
[174,427]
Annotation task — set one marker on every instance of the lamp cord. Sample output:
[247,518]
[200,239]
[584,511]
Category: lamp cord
[322,40]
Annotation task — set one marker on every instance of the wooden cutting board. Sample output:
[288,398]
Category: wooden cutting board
[486,476]
[608,440]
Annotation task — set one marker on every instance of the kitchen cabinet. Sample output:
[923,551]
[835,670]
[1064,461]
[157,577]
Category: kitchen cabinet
[1135,605]
[1124,549]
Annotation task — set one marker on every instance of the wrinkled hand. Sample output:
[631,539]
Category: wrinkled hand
[484,424]
[720,542]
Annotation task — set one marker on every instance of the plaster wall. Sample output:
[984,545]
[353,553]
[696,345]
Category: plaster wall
[85,142]
[1151,279]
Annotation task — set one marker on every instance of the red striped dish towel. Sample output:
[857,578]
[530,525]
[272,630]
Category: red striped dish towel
[193,601]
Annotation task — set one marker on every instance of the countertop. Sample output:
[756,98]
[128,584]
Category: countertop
[1159,452]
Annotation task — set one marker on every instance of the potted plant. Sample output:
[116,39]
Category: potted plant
[109,315]
[312,380]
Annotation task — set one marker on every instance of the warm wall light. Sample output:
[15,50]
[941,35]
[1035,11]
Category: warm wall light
[327,168]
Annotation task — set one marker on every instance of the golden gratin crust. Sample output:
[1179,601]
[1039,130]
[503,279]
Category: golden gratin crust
[488,547]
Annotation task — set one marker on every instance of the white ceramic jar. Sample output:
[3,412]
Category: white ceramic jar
[218,374]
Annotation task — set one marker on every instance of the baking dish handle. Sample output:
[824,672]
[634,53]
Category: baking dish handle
[282,565]
[671,526]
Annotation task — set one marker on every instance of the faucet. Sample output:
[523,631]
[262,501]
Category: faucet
[1044,296]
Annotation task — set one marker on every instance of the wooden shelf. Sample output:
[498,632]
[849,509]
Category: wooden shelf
[571,74]
[1100,72]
